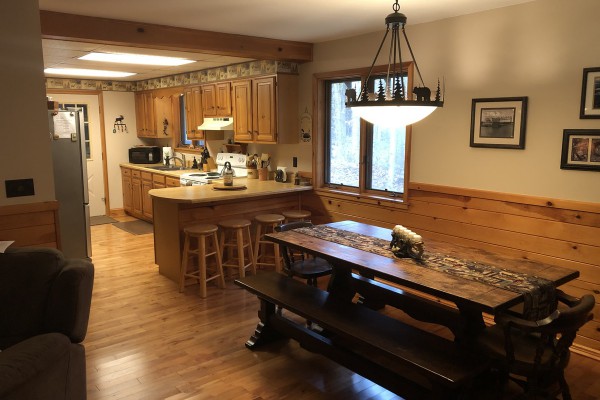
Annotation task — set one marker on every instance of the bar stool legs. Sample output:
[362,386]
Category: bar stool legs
[202,233]
[238,243]
[266,223]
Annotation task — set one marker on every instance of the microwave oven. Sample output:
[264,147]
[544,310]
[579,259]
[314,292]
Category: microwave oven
[145,155]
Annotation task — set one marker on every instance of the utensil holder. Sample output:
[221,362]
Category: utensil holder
[252,173]
[263,174]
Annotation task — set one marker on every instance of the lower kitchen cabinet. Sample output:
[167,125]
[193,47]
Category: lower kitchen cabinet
[137,202]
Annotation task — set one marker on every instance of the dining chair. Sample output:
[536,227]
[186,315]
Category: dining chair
[300,264]
[534,354]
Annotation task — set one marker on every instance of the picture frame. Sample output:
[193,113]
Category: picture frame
[581,149]
[590,93]
[499,122]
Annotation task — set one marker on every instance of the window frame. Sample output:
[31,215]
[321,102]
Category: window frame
[320,149]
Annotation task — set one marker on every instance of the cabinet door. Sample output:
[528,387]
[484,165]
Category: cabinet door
[242,111]
[127,190]
[164,116]
[193,112]
[136,196]
[223,99]
[146,199]
[149,128]
[209,100]
[172,182]
[140,115]
[264,121]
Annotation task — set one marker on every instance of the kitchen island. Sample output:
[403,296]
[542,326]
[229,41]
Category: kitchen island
[178,207]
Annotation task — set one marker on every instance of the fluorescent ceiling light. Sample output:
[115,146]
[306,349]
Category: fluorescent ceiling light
[87,72]
[125,58]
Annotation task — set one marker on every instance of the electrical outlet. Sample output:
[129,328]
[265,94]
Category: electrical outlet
[295,162]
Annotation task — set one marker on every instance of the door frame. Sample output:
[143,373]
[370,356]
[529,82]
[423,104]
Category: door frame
[102,135]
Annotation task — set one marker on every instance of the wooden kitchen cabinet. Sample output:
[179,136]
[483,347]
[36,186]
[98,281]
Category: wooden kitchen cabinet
[127,190]
[216,99]
[193,112]
[166,115]
[241,93]
[144,114]
[136,193]
[265,110]
[146,199]
[172,182]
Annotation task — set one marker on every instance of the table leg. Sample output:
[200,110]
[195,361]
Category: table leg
[264,333]
[341,285]
[472,324]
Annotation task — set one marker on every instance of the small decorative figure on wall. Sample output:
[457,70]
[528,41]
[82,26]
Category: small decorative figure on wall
[120,125]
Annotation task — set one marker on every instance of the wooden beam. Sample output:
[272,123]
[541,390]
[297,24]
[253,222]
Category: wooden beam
[71,27]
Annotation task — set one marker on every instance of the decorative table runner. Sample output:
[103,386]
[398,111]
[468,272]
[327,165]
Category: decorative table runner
[539,293]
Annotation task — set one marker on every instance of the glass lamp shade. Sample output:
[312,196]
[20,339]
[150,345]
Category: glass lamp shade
[393,116]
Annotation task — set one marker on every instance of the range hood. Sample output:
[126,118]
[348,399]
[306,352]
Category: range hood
[217,124]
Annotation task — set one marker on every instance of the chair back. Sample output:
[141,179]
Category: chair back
[555,333]
[289,256]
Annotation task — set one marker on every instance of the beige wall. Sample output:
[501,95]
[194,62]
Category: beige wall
[537,49]
[24,129]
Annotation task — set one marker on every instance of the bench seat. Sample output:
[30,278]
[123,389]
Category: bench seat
[374,345]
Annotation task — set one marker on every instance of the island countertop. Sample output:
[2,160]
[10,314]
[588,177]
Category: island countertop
[207,193]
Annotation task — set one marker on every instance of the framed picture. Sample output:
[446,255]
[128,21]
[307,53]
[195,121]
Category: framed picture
[590,93]
[581,149]
[499,122]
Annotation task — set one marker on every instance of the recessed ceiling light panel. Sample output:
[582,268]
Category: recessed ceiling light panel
[87,72]
[140,59]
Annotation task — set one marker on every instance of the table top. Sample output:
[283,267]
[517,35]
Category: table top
[406,272]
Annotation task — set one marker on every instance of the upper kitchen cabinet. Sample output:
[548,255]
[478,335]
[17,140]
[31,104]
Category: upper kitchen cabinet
[166,111]
[216,99]
[193,112]
[144,114]
[266,109]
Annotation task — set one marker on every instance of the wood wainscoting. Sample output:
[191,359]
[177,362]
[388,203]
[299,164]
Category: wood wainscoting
[34,224]
[553,231]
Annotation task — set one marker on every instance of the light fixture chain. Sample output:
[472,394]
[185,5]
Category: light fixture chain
[413,56]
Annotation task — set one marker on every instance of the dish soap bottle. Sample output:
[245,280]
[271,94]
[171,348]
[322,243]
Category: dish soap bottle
[227,174]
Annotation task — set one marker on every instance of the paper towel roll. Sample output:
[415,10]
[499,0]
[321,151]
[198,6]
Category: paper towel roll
[167,152]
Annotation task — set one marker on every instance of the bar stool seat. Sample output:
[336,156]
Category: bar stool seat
[236,242]
[266,223]
[296,215]
[202,233]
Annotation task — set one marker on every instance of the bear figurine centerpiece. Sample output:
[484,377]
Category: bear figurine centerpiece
[405,243]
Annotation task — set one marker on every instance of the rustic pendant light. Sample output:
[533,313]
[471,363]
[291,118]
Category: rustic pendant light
[392,105]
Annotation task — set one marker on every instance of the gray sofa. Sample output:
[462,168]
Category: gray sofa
[44,311]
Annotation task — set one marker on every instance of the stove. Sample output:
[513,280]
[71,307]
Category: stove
[238,164]
[198,178]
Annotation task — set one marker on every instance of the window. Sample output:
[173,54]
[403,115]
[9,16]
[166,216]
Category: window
[359,157]
[86,125]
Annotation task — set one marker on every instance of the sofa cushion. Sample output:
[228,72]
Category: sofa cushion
[26,277]
[36,368]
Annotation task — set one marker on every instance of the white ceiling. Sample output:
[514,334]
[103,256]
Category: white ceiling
[310,21]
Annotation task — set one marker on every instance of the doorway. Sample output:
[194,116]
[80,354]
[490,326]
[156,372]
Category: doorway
[93,145]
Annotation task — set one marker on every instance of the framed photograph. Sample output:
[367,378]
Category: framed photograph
[590,93]
[581,149]
[499,122]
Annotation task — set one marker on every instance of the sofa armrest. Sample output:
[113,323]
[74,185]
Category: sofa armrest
[35,368]
[69,301]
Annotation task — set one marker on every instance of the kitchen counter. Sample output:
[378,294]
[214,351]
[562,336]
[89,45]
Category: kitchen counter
[175,173]
[176,208]
[207,194]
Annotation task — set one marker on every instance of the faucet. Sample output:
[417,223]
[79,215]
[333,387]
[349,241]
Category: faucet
[181,160]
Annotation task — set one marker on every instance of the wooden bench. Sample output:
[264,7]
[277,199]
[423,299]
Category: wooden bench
[404,359]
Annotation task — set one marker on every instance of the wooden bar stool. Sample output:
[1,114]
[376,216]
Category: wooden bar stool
[296,215]
[235,238]
[201,233]
[266,223]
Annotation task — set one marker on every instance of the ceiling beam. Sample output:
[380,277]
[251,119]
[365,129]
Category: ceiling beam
[80,28]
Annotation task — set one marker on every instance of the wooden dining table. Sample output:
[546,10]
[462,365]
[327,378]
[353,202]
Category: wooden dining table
[381,280]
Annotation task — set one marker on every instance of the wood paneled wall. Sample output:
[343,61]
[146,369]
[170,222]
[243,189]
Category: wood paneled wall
[553,231]
[34,224]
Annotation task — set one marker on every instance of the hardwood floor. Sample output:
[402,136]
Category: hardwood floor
[147,341]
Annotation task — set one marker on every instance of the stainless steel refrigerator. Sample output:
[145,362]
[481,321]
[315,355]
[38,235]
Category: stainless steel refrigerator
[70,182]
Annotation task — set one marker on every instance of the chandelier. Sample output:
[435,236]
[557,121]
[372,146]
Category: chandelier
[391,105]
